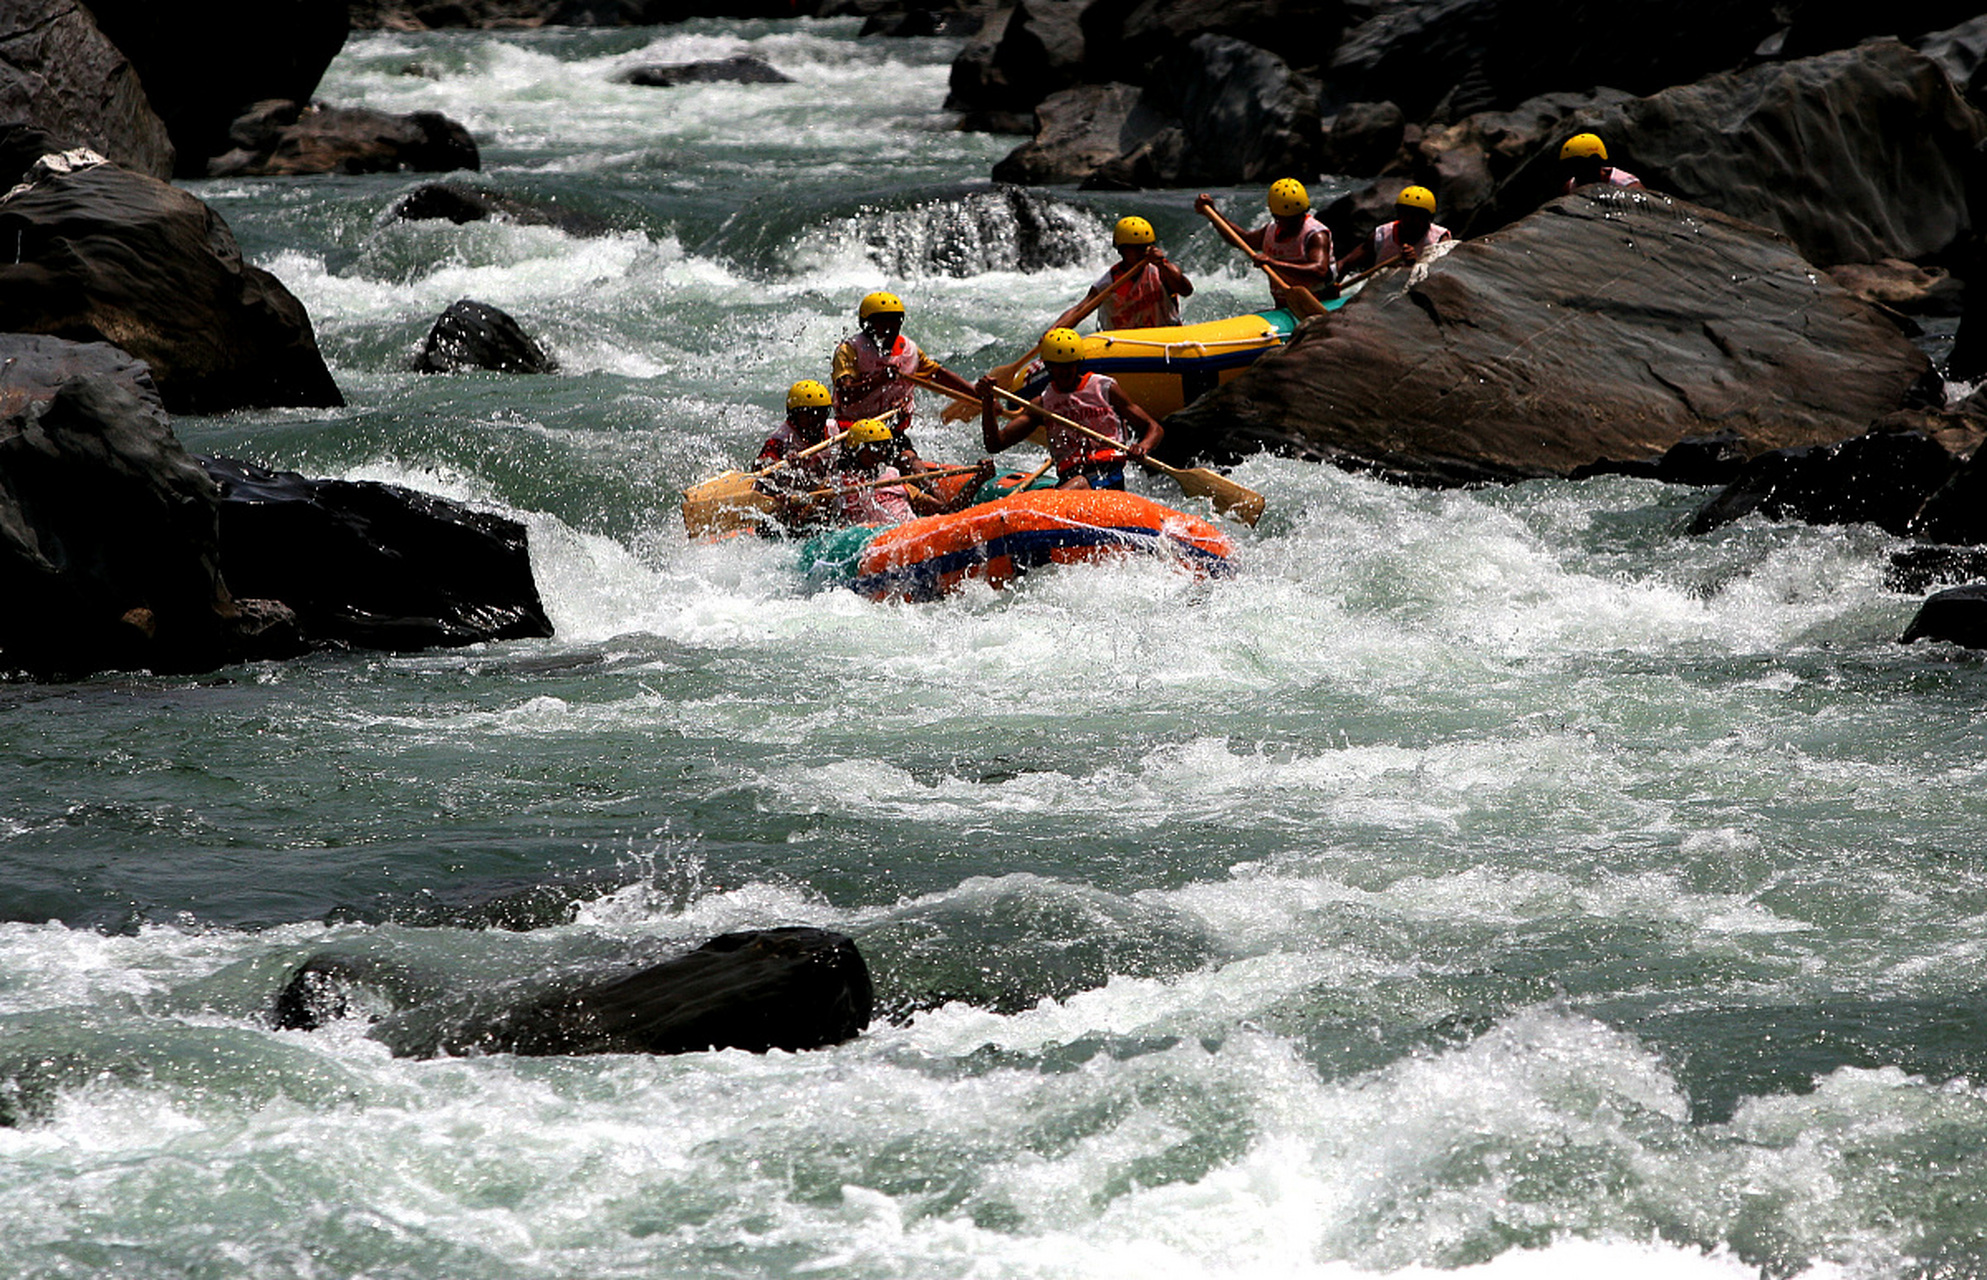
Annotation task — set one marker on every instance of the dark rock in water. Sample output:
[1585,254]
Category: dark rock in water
[791,989]
[1959,51]
[460,204]
[1879,478]
[61,75]
[1860,185]
[1608,326]
[375,565]
[937,20]
[742,69]
[1695,460]
[1904,287]
[1077,131]
[1956,512]
[109,549]
[475,335]
[1957,614]
[281,139]
[1915,569]
[105,254]
[204,62]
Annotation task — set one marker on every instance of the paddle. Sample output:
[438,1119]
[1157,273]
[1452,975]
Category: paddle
[967,399]
[713,506]
[937,473]
[1354,279]
[1229,498]
[1301,301]
[1004,374]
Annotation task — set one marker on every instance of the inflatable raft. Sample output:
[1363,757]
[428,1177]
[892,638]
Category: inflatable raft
[997,541]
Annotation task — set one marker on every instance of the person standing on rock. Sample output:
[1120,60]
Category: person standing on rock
[870,368]
[1150,299]
[1293,243]
[1584,160]
[1092,399]
[1412,233]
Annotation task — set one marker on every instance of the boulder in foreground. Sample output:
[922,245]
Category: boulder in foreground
[476,335]
[789,988]
[106,255]
[61,75]
[1957,614]
[1606,327]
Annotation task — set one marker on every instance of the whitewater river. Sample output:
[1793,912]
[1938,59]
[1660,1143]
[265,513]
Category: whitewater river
[1496,880]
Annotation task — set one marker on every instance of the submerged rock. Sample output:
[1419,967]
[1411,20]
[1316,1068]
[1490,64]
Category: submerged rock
[285,139]
[459,204]
[740,69]
[104,254]
[374,565]
[1608,326]
[109,546]
[788,988]
[476,335]
[61,75]
[1880,478]
[1957,614]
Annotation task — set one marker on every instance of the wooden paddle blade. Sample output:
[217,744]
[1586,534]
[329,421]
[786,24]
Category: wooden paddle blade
[958,411]
[1303,304]
[1229,498]
[723,504]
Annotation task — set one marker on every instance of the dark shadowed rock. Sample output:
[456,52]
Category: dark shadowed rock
[789,988]
[1959,51]
[1904,287]
[1609,325]
[1855,156]
[375,565]
[1077,131]
[109,549]
[1136,40]
[459,204]
[1914,570]
[1956,512]
[1957,614]
[1015,63]
[204,62]
[741,69]
[1246,116]
[1695,460]
[1879,478]
[475,335]
[60,74]
[1362,137]
[105,254]
[321,139]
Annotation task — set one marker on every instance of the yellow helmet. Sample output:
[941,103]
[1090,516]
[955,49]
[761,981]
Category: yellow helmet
[1062,346]
[1416,198]
[808,394]
[868,431]
[1287,197]
[1584,146]
[1134,231]
[880,303]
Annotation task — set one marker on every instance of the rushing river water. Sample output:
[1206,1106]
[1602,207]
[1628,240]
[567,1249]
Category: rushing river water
[1494,879]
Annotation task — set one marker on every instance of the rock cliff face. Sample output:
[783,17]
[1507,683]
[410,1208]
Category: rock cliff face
[107,255]
[1608,325]
[61,75]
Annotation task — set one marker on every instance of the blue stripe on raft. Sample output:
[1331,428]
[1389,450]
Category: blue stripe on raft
[1029,549]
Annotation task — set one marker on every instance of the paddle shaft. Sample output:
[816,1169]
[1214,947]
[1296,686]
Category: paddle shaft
[1306,302]
[913,478]
[1355,279]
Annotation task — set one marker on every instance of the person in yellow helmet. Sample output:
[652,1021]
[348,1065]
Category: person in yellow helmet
[869,371]
[1293,243]
[1090,398]
[869,453]
[1584,160]
[806,425]
[1412,233]
[1149,298]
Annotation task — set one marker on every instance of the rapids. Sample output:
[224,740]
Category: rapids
[1494,880]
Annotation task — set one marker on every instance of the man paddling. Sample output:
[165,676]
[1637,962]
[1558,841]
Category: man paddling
[1584,160]
[1142,290]
[1293,243]
[1412,233]
[1078,394]
[869,372]
[867,457]
[806,425]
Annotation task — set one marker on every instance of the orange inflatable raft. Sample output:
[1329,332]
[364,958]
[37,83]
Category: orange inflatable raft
[926,558]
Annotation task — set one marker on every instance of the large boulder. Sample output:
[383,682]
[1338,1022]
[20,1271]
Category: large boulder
[375,565]
[285,139]
[1855,156]
[204,62]
[1881,478]
[787,988]
[1957,615]
[61,75]
[1017,62]
[1246,116]
[476,335]
[457,203]
[109,547]
[1078,131]
[107,255]
[1609,325]
[739,69]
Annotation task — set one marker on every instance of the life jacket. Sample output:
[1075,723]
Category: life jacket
[785,442]
[1291,248]
[1141,304]
[892,399]
[1619,177]
[1387,239]
[1090,404]
[880,504]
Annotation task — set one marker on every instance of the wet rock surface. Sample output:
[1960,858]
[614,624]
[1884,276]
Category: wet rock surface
[742,69]
[475,335]
[61,75]
[287,139]
[1608,326]
[457,203]
[1957,615]
[104,254]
